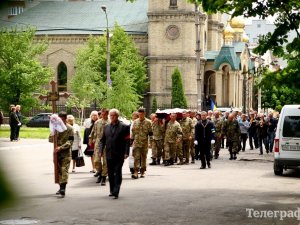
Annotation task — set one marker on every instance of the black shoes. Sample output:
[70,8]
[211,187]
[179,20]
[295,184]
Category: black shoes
[99,179]
[103,182]
[153,163]
[202,167]
[113,195]
[62,190]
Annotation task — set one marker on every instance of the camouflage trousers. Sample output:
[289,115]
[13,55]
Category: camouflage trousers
[179,151]
[100,163]
[63,169]
[186,149]
[157,149]
[217,145]
[192,148]
[140,158]
[233,146]
[170,150]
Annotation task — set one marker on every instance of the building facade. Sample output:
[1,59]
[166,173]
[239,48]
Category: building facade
[165,34]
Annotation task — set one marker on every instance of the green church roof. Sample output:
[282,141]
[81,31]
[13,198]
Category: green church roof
[82,17]
[227,55]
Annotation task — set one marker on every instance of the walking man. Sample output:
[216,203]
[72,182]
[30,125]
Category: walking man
[204,137]
[187,127]
[141,131]
[232,131]
[116,142]
[64,144]
[218,123]
[95,137]
[172,138]
[158,129]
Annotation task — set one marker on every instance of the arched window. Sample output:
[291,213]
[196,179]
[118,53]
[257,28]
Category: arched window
[62,77]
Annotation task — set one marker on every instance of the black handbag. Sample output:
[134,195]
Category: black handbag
[80,159]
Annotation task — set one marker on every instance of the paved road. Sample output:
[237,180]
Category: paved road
[168,195]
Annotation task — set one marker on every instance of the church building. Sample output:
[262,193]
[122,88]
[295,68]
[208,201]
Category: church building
[165,34]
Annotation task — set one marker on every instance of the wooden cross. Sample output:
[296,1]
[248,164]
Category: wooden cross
[53,97]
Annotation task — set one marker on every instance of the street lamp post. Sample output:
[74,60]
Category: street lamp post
[108,80]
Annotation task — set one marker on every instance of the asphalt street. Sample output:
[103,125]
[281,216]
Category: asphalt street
[228,193]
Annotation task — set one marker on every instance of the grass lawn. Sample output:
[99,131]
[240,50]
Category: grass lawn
[29,132]
[26,132]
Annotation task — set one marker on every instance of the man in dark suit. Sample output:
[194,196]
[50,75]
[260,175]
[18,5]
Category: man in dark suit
[116,142]
[204,137]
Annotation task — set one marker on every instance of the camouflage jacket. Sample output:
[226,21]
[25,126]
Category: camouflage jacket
[218,125]
[64,141]
[194,120]
[97,132]
[141,130]
[158,130]
[173,132]
[187,127]
[232,130]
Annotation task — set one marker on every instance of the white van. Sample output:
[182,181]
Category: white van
[287,139]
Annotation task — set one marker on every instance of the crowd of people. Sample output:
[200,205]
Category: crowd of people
[175,138]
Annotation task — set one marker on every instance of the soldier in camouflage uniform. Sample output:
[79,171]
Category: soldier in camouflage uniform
[187,129]
[192,145]
[95,136]
[173,136]
[218,123]
[232,131]
[63,150]
[157,143]
[141,131]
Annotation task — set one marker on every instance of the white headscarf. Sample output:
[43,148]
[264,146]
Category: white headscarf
[56,124]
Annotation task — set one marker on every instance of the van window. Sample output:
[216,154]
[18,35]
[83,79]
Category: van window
[291,126]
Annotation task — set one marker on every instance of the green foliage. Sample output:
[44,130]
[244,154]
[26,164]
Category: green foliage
[281,87]
[128,74]
[178,96]
[123,94]
[154,104]
[21,72]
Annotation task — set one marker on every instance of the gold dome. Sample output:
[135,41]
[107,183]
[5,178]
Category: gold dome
[238,24]
[228,32]
[245,38]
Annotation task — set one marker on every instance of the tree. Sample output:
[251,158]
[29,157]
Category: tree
[22,74]
[287,20]
[178,97]
[154,104]
[128,73]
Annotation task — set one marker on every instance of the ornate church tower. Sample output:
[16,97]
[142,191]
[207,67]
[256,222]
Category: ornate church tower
[171,44]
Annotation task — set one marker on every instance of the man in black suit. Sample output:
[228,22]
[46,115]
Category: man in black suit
[116,142]
[204,137]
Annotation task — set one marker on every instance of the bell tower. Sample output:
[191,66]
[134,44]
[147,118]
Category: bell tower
[171,44]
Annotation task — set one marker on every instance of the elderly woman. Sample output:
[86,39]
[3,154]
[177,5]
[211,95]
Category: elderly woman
[89,151]
[77,140]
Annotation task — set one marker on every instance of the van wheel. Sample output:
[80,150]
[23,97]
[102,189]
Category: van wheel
[278,170]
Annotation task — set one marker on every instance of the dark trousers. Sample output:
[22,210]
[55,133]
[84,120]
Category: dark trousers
[114,167]
[13,131]
[243,140]
[17,132]
[205,155]
[271,136]
[253,138]
[262,140]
